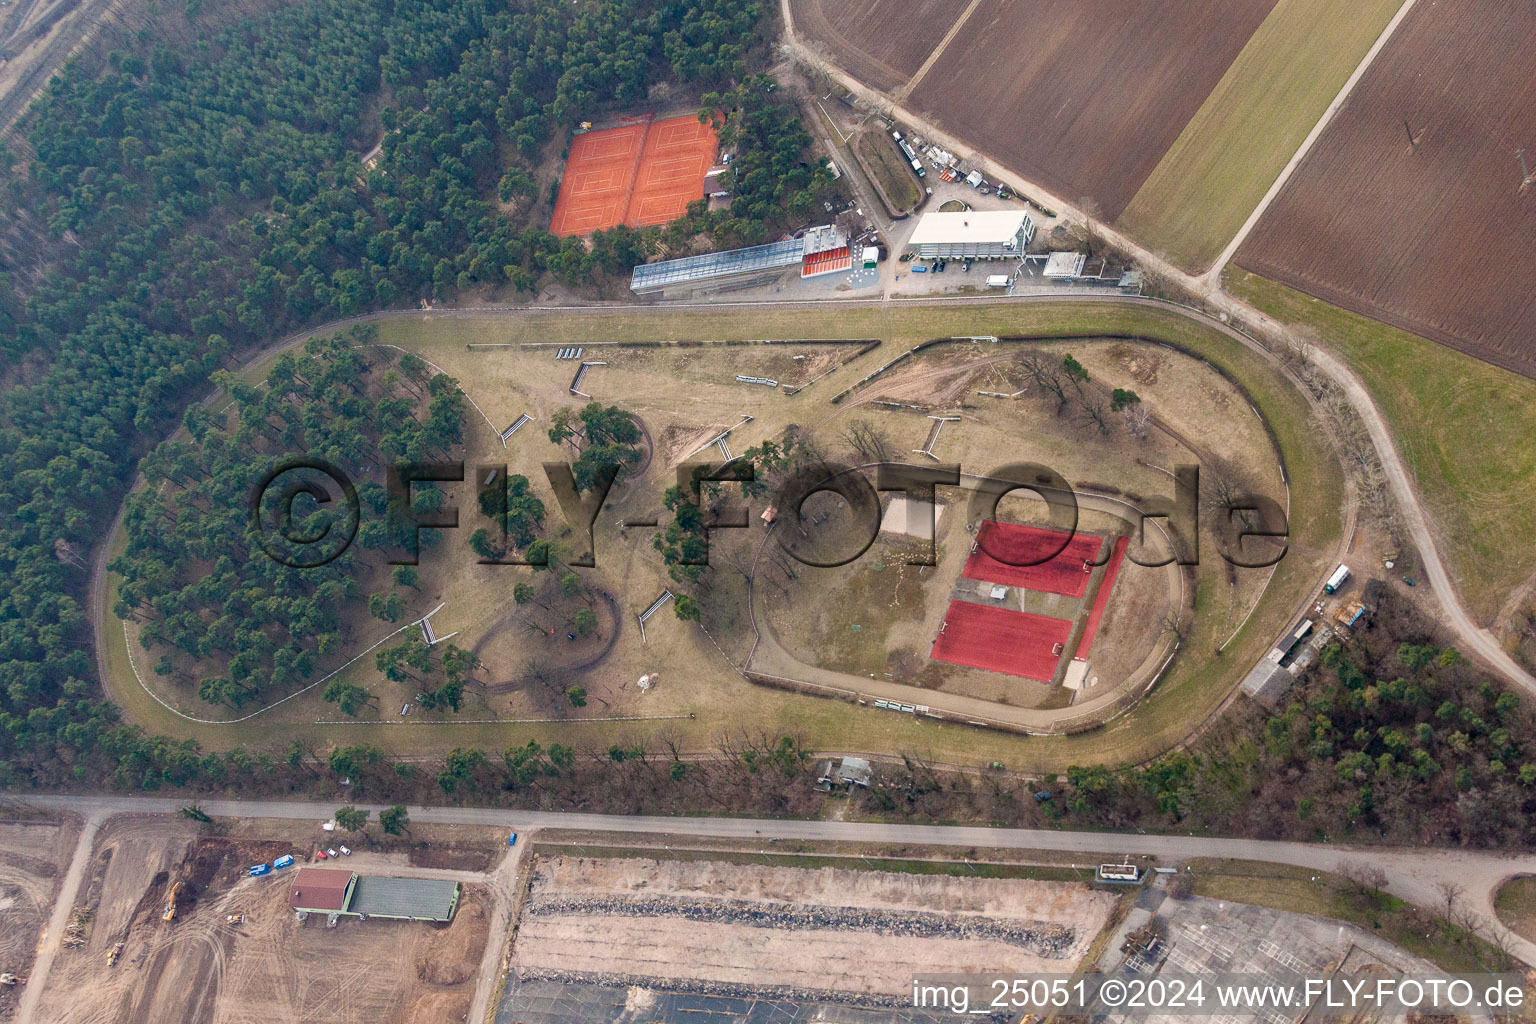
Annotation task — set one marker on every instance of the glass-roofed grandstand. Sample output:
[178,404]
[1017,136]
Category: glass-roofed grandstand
[821,250]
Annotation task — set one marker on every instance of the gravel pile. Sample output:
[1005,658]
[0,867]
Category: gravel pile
[1043,939]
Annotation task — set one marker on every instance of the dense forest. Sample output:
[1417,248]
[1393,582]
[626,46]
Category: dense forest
[242,626]
[199,201]
[1393,736]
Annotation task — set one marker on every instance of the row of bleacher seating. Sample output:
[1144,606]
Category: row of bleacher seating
[826,262]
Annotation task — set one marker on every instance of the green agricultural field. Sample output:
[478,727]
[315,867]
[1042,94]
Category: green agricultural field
[1463,427]
[719,698]
[1230,153]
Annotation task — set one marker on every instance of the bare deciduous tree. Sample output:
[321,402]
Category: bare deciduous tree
[1046,374]
[1137,419]
[868,441]
[1094,409]
[1092,213]
[1174,623]
[1450,893]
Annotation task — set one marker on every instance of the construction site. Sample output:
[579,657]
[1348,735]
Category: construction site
[599,935]
[171,926]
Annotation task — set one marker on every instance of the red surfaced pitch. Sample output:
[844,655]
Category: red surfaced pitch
[1001,640]
[1001,548]
[636,174]
[1101,600]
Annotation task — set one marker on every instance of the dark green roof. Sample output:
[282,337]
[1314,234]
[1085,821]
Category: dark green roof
[414,899]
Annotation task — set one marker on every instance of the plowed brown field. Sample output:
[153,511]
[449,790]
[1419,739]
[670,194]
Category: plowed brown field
[1084,98]
[1434,238]
[882,43]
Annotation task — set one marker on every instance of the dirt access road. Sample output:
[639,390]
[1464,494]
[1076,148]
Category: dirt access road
[1413,873]
[1474,638]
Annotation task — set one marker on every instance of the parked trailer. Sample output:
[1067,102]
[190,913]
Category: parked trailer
[285,861]
[1340,575]
[257,870]
[1119,873]
[997,280]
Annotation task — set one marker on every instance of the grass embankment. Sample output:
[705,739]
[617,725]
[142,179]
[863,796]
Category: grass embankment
[1515,903]
[1218,169]
[1194,688]
[1293,889]
[1462,426]
[845,861]
[879,156]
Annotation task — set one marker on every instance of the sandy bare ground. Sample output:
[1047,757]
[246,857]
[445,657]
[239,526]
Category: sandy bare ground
[32,859]
[824,929]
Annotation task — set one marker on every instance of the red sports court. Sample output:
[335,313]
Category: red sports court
[636,174]
[1001,640]
[1003,551]
[1101,600]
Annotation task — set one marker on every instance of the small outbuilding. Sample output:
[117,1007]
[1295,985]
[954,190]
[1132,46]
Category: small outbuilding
[1064,265]
[321,890]
[855,771]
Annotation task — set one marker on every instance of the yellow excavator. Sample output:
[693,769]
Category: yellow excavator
[169,914]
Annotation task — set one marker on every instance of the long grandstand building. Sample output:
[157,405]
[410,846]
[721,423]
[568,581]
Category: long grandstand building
[977,234]
[821,250]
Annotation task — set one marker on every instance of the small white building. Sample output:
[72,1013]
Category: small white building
[1064,265]
[977,234]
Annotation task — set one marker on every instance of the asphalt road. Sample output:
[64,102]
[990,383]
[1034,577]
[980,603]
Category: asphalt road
[1415,874]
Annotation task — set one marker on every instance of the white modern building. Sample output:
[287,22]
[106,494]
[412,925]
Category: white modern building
[977,234]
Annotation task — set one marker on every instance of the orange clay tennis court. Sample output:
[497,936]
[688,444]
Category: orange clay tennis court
[636,174]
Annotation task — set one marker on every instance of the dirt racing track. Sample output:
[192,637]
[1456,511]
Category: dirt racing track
[1410,207]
